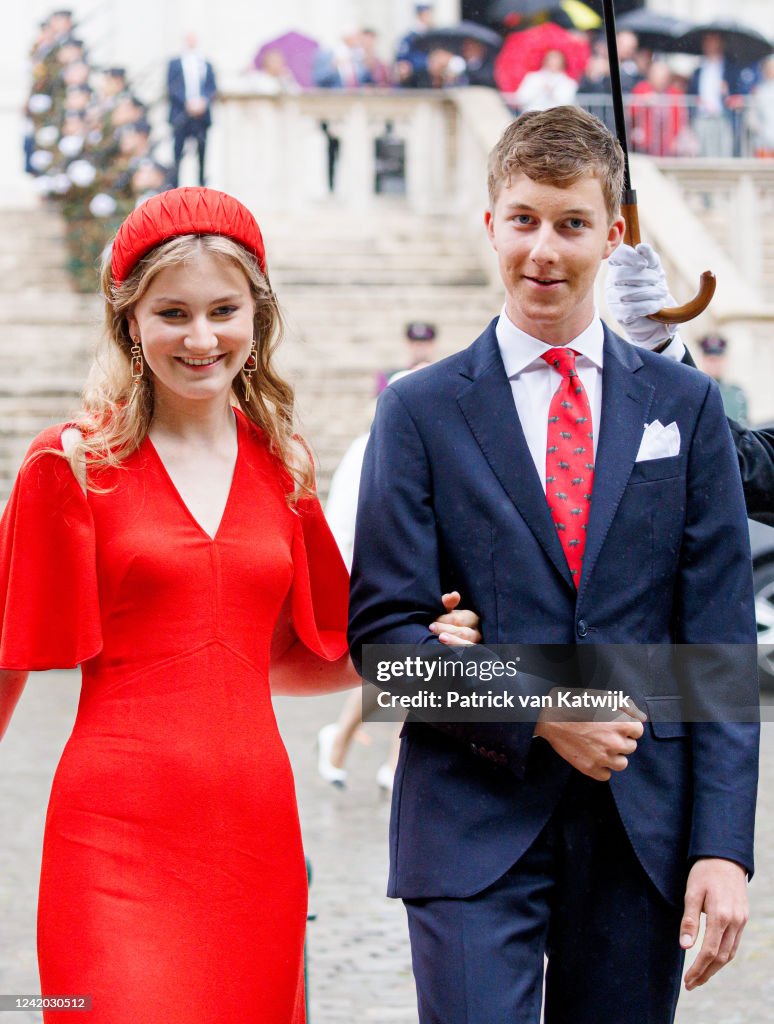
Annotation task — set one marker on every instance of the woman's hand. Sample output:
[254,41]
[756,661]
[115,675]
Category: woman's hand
[458,627]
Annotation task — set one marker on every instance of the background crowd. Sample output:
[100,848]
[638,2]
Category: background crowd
[88,143]
[91,148]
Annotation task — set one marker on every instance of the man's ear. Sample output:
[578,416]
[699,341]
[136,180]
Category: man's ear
[489,223]
[615,236]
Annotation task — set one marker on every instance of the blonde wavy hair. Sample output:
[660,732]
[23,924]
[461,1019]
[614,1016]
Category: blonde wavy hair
[116,413]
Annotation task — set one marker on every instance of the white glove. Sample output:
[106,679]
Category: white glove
[636,286]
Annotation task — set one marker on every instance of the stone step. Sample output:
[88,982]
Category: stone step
[379,277]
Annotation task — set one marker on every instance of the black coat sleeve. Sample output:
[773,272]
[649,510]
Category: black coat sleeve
[755,451]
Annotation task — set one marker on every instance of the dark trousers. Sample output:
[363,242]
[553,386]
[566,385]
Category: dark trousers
[578,896]
[192,128]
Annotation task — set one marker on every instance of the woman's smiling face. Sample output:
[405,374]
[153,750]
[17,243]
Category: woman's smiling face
[195,325]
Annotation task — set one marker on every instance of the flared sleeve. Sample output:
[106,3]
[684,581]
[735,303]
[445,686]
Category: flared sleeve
[320,584]
[49,606]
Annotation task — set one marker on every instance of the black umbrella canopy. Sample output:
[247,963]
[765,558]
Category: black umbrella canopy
[453,37]
[654,30]
[500,9]
[743,44]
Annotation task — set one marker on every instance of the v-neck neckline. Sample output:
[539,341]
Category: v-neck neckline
[211,537]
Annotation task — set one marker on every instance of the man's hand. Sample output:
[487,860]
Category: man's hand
[458,627]
[196,107]
[719,889]
[636,287]
[596,748]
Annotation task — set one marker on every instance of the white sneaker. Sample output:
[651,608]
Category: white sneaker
[384,778]
[328,771]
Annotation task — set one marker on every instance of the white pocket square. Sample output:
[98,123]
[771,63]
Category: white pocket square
[659,441]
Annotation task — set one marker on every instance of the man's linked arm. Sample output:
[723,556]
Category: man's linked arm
[755,452]
[397,571]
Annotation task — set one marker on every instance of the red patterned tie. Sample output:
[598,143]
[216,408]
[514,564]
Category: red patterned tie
[569,458]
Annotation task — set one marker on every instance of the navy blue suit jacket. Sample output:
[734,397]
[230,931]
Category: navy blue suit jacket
[176,91]
[450,499]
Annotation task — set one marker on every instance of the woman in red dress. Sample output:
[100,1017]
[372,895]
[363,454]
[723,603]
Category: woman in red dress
[169,541]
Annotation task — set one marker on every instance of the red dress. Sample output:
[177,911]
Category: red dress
[173,885]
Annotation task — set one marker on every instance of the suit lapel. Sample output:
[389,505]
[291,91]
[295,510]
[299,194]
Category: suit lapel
[626,401]
[487,405]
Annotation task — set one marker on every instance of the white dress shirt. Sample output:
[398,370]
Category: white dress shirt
[533,381]
[193,74]
[711,85]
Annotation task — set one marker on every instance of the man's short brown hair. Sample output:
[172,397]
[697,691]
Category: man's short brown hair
[557,147]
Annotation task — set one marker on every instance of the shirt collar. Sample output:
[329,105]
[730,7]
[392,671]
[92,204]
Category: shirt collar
[519,349]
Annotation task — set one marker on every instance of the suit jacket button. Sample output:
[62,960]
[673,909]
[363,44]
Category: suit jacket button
[583,627]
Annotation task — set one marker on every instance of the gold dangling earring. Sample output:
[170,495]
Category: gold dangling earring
[251,365]
[138,365]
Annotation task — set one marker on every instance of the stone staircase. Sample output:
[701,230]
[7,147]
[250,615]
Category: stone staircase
[47,333]
[347,286]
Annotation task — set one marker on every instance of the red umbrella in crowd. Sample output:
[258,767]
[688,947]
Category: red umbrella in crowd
[524,51]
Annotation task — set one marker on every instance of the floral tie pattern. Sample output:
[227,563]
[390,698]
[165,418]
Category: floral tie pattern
[569,458]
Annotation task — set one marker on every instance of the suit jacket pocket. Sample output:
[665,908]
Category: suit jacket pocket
[657,469]
[665,717]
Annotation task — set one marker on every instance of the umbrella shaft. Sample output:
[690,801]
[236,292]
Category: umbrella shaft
[615,87]
[631,216]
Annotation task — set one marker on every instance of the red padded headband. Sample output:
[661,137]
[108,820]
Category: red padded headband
[183,211]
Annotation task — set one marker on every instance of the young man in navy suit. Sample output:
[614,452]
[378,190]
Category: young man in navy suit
[575,490]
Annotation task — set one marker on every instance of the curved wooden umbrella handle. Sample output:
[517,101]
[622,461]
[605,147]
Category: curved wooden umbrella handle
[674,314]
[692,309]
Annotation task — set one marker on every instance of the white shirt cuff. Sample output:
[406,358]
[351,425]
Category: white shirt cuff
[675,349]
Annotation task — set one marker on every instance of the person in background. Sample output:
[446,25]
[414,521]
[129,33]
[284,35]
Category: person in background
[714,362]
[444,70]
[378,71]
[658,113]
[594,89]
[334,740]
[762,112]
[342,67]
[421,349]
[718,85]
[551,86]
[191,88]
[410,60]
[479,63]
[629,62]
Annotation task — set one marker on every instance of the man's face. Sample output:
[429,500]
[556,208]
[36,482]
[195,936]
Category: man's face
[550,242]
[712,45]
[714,365]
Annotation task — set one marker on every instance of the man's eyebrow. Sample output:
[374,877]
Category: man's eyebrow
[583,211]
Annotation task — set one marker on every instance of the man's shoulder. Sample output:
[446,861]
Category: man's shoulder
[451,371]
[661,369]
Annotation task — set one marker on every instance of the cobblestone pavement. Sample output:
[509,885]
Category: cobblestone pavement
[358,948]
